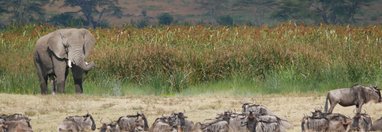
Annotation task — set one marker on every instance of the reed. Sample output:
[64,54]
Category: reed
[195,59]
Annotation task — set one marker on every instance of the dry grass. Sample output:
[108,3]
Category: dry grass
[47,112]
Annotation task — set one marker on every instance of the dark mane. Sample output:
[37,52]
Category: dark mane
[93,123]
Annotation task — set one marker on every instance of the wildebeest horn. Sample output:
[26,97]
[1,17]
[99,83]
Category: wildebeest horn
[100,121]
[318,108]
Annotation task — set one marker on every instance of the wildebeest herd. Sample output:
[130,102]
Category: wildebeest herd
[252,118]
[356,95]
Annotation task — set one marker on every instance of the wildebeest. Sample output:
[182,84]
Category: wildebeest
[110,127]
[77,124]
[265,123]
[356,95]
[133,123]
[255,109]
[338,122]
[234,120]
[217,125]
[377,125]
[161,125]
[361,122]
[325,122]
[15,123]
[176,122]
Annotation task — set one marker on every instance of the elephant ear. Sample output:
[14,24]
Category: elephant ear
[57,44]
[89,42]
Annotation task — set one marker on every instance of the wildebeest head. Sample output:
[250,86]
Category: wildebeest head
[317,114]
[89,119]
[250,121]
[255,108]
[141,121]
[376,93]
[177,120]
[361,122]
[111,127]
[79,123]
[226,116]
[136,122]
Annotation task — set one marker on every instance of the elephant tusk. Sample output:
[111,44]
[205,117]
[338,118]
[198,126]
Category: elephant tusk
[70,63]
[86,63]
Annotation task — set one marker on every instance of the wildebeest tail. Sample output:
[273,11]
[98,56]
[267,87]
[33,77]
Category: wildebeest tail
[326,103]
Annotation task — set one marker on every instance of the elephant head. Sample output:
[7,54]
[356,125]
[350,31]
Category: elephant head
[73,45]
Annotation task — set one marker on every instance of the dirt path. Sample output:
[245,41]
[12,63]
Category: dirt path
[47,112]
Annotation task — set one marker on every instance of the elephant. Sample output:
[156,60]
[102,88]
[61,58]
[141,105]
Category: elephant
[59,51]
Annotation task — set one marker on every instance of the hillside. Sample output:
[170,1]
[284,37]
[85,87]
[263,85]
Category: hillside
[200,11]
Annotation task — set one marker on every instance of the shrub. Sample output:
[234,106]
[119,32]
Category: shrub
[225,20]
[165,19]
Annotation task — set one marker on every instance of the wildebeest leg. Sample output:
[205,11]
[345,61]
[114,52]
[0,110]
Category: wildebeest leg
[359,108]
[332,105]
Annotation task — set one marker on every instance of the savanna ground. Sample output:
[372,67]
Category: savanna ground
[48,111]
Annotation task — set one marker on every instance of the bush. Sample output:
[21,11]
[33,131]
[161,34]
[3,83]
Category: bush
[225,20]
[165,19]
[142,23]
[67,20]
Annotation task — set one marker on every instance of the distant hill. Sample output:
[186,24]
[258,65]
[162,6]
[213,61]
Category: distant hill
[199,11]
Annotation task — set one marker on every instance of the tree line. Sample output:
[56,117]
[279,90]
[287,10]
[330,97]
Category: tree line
[92,12]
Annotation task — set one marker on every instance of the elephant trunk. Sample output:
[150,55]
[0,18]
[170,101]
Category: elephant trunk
[78,58]
[86,66]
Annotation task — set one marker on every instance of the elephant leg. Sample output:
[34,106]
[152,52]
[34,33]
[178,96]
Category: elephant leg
[43,79]
[54,86]
[44,85]
[78,73]
[60,71]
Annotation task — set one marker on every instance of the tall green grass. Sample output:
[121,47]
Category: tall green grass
[197,59]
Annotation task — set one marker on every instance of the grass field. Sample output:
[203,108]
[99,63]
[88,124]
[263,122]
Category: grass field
[188,60]
[47,112]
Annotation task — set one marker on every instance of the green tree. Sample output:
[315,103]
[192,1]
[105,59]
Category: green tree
[213,7]
[165,19]
[93,10]
[23,11]
[338,11]
[292,10]
[67,19]
[225,20]
[324,11]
